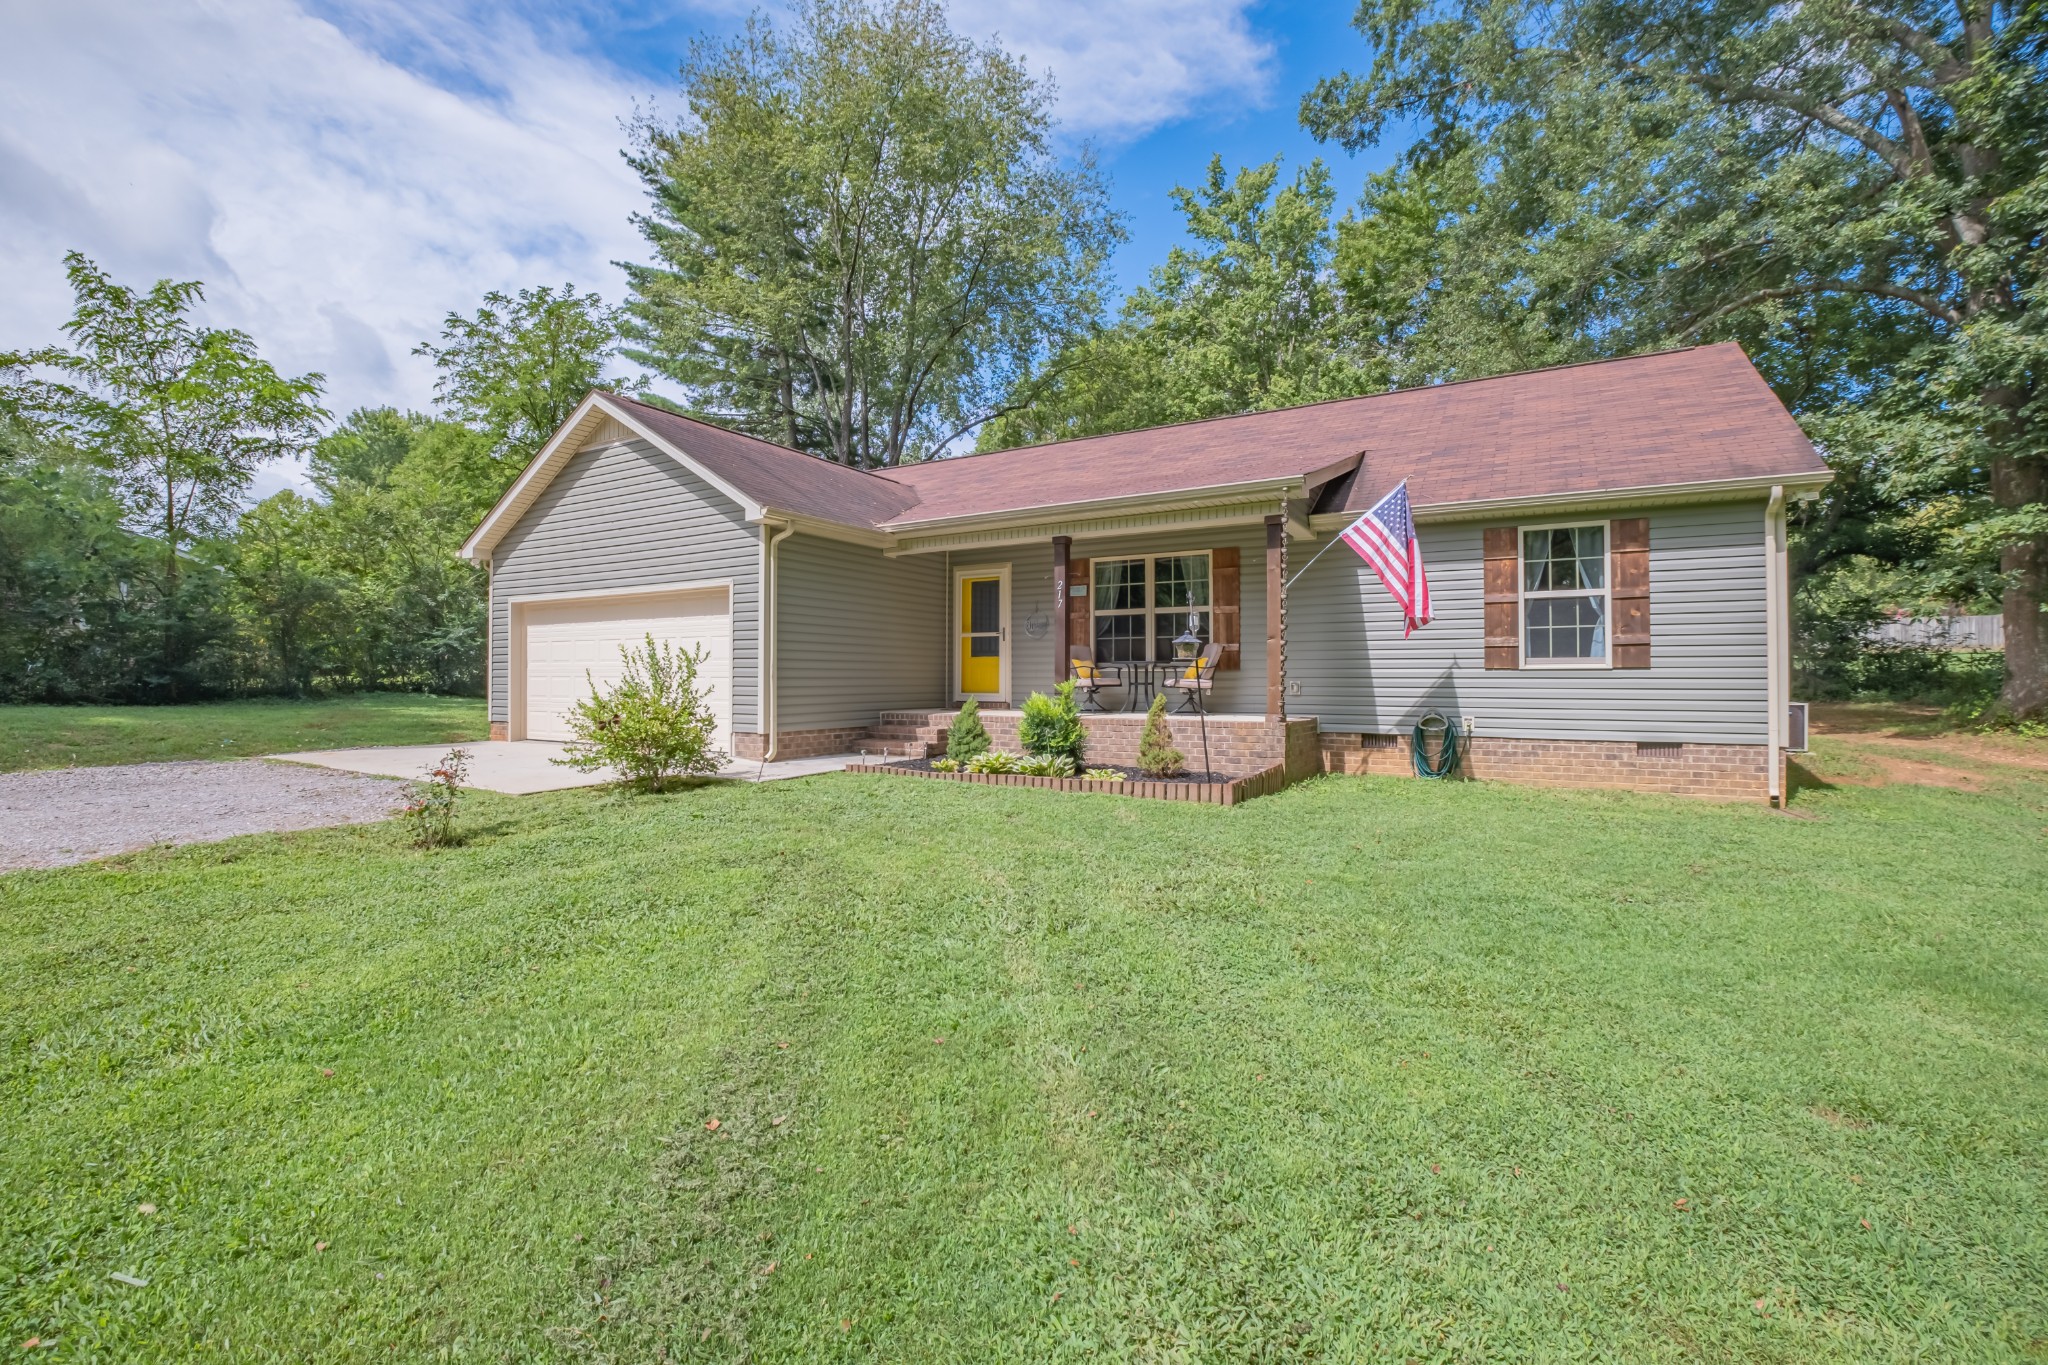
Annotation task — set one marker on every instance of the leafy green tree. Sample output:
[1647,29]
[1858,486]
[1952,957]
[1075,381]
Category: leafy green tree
[1853,188]
[863,239]
[363,448]
[182,415]
[291,607]
[1247,318]
[517,368]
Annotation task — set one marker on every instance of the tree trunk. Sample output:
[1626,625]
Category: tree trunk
[2018,482]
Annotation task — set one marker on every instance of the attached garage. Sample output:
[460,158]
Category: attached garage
[561,645]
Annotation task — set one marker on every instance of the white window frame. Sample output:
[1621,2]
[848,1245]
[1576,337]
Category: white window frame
[1149,611]
[1605,593]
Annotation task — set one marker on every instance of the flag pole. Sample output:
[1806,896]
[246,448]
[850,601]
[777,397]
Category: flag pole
[1312,559]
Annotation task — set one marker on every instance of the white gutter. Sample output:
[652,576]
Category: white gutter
[1777,681]
[771,536]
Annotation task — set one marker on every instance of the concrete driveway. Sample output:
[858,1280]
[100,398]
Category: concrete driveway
[521,767]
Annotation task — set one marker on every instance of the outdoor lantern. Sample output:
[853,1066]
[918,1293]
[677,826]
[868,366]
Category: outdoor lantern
[1187,644]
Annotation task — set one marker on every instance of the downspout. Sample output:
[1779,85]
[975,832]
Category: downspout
[772,536]
[1775,613]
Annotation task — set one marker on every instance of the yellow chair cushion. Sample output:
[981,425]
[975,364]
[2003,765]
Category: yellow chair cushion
[1194,670]
[1085,672]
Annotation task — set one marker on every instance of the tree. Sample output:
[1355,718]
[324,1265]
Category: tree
[863,241]
[1852,187]
[182,415]
[518,368]
[1247,319]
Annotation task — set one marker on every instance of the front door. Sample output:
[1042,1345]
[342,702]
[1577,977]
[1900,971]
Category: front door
[983,635]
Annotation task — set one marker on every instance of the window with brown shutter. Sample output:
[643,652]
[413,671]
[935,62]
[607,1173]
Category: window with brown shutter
[1630,539]
[1227,577]
[1503,597]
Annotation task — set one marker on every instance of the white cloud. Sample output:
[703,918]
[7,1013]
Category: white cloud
[1126,66]
[335,204]
[342,173]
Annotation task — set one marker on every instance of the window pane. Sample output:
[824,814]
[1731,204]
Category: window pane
[1119,585]
[1120,639]
[1167,626]
[1565,559]
[1181,581]
[1567,628]
[984,606]
[984,646]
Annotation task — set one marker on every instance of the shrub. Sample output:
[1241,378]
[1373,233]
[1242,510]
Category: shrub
[969,736]
[1052,725]
[655,726]
[1104,775]
[1047,765]
[945,765]
[1156,755]
[430,800]
[993,761]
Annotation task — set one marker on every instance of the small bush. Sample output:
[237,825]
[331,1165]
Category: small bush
[1104,775]
[1156,755]
[1047,765]
[968,737]
[993,761]
[654,727]
[430,800]
[945,765]
[1052,725]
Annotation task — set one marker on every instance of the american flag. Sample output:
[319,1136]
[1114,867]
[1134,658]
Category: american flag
[1385,538]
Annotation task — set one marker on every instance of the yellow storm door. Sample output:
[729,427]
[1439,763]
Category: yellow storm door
[981,636]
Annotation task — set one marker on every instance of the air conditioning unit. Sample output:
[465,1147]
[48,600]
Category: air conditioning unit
[1795,727]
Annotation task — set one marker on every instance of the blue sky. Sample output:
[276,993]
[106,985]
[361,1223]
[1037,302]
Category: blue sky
[341,173]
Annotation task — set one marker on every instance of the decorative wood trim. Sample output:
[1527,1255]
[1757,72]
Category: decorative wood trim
[1276,617]
[1081,610]
[1226,593]
[1628,561]
[1062,547]
[1503,597]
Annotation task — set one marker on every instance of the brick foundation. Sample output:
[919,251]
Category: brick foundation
[805,743]
[501,730]
[1726,772]
[1237,744]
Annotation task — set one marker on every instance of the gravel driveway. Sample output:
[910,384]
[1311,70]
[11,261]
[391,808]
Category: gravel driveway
[72,815]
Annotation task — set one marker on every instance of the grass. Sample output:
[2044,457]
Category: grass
[90,736]
[1371,1069]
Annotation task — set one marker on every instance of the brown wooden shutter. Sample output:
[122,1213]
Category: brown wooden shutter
[1503,597]
[1226,591]
[1629,557]
[1080,610]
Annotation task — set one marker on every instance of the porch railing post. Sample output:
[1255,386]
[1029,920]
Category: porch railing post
[1061,545]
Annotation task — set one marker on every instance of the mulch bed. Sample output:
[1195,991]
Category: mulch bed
[1128,774]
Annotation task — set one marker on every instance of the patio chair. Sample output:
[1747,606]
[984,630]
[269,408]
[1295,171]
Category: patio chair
[1196,680]
[1090,677]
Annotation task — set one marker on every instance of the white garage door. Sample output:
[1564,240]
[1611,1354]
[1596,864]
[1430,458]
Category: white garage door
[569,645]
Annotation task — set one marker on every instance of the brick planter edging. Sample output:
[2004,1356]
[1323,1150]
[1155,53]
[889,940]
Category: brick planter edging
[1204,793]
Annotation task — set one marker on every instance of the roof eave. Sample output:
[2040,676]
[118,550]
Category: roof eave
[1595,499]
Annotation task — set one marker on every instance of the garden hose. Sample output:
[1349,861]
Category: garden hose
[1447,750]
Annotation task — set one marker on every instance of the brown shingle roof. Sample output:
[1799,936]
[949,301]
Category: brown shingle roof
[1690,416]
[778,477]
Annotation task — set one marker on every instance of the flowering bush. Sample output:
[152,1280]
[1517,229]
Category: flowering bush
[654,727]
[430,800]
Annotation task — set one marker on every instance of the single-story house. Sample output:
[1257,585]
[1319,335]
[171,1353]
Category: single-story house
[1605,546]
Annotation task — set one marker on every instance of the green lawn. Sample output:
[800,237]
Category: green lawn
[1371,1069]
[87,736]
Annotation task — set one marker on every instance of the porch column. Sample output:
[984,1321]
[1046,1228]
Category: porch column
[1276,617]
[1061,612]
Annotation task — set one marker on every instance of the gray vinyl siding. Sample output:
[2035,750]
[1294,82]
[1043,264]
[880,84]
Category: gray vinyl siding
[1706,682]
[856,633]
[628,516]
[1034,666]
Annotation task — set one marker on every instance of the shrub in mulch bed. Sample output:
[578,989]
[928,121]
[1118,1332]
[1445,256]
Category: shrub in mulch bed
[1129,774]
